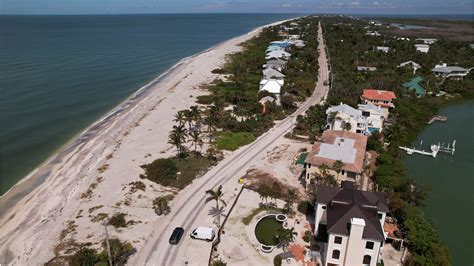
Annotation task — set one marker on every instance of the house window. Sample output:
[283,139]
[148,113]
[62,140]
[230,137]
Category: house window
[324,207]
[380,215]
[351,175]
[369,245]
[338,240]
[366,260]
[335,254]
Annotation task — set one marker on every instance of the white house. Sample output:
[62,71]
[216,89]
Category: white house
[372,33]
[449,71]
[382,49]
[270,73]
[273,48]
[272,86]
[278,54]
[427,41]
[363,122]
[374,110]
[414,65]
[277,64]
[366,69]
[424,48]
[353,222]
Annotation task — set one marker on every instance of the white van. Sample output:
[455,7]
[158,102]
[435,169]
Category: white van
[203,233]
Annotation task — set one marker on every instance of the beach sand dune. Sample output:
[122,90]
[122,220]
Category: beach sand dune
[91,174]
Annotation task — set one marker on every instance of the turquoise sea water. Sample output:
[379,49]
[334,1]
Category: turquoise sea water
[450,178]
[61,73]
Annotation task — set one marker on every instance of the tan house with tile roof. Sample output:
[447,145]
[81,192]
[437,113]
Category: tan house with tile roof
[337,145]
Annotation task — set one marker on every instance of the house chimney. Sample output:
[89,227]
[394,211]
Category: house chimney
[355,245]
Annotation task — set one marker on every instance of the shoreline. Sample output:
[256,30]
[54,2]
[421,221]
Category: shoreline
[36,208]
[116,110]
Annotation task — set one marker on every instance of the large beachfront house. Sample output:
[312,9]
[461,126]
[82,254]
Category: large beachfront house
[449,71]
[344,147]
[384,49]
[381,98]
[349,223]
[277,64]
[345,117]
[272,86]
[424,48]
[270,73]
[412,64]
[277,54]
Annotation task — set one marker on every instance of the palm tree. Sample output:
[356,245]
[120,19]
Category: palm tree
[332,118]
[177,137]
[195,114]
[188,117]
[211,127]
[323,168]
[196,139]
[286,237]
[290,199]
[179,118]
[216,194]
[337,165]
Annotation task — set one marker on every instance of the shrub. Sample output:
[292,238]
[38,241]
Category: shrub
[118,220]
[277,260]
[287,101]
[233,140]
[305,207]
[219,262]
[161,171]
[205,99]
[160,205]
[308,235]
[218,71]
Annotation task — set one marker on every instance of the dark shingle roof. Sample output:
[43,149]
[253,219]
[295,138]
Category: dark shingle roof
[346,202]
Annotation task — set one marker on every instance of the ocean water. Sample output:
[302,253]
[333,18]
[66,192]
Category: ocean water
[450,178]
[59,74]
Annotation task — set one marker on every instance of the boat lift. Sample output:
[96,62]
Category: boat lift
[435,148]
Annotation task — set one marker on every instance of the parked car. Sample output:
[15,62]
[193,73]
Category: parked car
[203,233]
[176,235]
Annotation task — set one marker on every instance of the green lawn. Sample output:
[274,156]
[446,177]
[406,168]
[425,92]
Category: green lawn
[231,141]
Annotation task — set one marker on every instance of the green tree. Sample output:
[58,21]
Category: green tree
[338,165]
[177,137]
[216,195]
[179,118]
[196,138]
[289,200]
[286,237]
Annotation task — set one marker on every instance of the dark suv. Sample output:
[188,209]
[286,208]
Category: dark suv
[176,235]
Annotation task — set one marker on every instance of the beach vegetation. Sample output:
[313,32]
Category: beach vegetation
[137,185]
[219,262]
[177,172]
[308,235]
[233,140]
[247,219]
[305,207]
[99,217]
[95,208]
[161,205]
[286,236]
[277,260]
[118,220]
[86,255]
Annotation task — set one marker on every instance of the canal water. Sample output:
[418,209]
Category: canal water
[450,178]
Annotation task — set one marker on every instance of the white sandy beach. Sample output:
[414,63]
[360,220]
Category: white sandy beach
[108,155]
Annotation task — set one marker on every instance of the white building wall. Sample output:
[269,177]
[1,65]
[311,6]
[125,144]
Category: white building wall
[333,246]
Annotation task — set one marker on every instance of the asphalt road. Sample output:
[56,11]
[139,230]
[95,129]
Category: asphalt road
[189,209]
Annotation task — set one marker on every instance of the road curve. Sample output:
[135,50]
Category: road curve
[189,204]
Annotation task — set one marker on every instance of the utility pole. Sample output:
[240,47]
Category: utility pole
[107,243]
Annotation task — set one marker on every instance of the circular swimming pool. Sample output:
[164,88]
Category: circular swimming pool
[266,230]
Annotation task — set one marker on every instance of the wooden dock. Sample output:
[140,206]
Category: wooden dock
[437,118]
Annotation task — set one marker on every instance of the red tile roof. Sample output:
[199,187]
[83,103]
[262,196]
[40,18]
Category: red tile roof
[329,137]
[372,94]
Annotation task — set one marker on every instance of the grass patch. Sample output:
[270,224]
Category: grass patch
[247,219]
[176,172]
[205,99]
[231,141]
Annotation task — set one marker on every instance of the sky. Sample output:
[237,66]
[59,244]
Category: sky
[236,6]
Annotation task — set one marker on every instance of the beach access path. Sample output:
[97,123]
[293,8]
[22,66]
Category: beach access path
[189,210]
[53,208]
